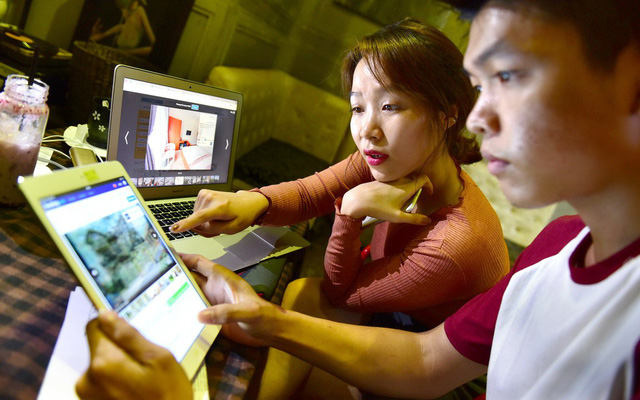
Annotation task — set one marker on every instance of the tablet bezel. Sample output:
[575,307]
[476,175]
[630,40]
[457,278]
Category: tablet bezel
[60,182]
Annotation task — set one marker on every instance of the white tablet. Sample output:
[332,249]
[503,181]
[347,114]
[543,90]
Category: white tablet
[121,256]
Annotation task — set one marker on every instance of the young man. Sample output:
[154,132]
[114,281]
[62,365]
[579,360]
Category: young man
[559,111]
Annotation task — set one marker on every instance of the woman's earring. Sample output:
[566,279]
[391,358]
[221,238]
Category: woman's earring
[451,122]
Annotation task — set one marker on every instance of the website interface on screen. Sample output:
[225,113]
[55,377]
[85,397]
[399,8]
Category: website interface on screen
[171,136]
[108,233]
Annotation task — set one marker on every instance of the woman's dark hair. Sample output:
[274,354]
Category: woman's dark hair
[422,62]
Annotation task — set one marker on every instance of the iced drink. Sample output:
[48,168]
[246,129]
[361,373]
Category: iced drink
[15,159]
[23,117]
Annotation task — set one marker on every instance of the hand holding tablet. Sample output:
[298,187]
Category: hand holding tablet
[121,257]
[132,367]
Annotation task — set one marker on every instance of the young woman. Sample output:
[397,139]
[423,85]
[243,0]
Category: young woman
[410,99]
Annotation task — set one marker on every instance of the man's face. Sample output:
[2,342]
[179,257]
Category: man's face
[550,122]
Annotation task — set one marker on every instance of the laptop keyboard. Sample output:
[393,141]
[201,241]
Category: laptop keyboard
[169,213]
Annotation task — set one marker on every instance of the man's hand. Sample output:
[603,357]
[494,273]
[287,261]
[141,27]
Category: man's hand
[385,200]
[125,365]
[223,212]
[245,317]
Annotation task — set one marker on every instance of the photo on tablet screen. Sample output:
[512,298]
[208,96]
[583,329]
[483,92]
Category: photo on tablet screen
[123,254]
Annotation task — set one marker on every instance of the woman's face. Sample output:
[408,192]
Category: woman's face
[393,132]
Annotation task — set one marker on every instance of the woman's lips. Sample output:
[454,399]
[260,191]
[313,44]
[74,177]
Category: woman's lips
[496,166]
[375,157]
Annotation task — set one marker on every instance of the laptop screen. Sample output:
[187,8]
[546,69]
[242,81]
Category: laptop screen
[173,136]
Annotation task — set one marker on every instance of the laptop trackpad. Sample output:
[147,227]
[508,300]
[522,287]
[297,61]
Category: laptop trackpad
[242,250]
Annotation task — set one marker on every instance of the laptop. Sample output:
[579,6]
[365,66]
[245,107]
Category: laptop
[120,256]
[175,137]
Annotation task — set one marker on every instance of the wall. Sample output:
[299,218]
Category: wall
[305,38]
[54,20]
[322,34]
[11,12]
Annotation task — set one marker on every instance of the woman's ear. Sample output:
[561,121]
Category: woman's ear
[449,120]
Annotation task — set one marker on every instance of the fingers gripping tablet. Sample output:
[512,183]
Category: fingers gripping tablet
[121,256]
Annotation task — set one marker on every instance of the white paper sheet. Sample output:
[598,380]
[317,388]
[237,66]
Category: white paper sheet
[70,356]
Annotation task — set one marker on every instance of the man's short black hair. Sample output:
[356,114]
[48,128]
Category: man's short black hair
[468,9]
[605,27]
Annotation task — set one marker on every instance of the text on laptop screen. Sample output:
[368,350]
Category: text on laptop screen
[107,231]
[172,137]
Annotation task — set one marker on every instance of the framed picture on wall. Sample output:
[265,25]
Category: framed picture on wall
[148,29]
[14,12]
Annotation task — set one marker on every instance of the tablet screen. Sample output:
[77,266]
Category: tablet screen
[109,234]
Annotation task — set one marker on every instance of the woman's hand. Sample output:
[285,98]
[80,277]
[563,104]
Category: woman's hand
[125,365]
[223,212]
[385,200]
[96,31]
[245,317]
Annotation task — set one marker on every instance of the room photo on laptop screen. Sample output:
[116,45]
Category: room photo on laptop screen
[180,139]
[170,136]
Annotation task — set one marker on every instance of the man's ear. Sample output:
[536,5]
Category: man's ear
[635,105]
[634,115]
